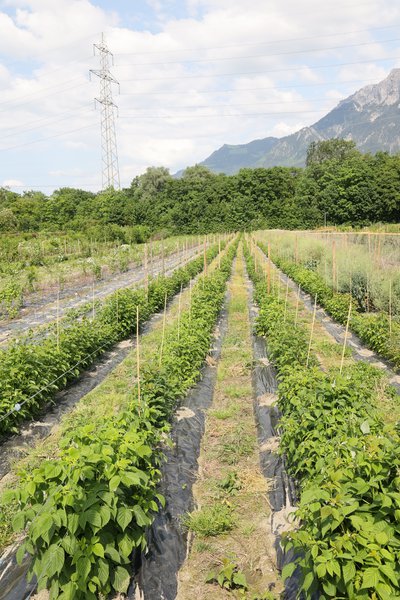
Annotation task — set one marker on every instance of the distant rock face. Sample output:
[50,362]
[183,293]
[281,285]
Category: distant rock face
[370,117]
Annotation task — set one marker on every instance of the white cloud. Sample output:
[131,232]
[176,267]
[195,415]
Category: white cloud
[174,108]
[10,183]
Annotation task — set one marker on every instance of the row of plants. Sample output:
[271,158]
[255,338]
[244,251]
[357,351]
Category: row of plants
[92,261]
[345,461]
[378,330]
[32,371]
[87,510]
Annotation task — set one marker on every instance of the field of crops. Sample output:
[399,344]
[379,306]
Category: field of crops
[246,444]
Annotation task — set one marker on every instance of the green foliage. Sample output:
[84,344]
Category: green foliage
[31,372]
[339,186]
[228,577]
[372,328]
[334,149]
[87,510]
[347,465]
[11,298]
[212,520]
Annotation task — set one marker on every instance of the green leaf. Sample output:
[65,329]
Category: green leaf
[83,567]
[40,526]
[365,428]
[114,483]
[349,572]
[382,538]
[20,554]
[53,560]
[129,478]
[141,518]
[103,571]
[98,550]
[288,570]
[120,580]
[125,546]
[18,521]
[240,580]
[124,517]
[329,588]
[93,517]
[388,571]
[68,591]
[111,551]
[371,578]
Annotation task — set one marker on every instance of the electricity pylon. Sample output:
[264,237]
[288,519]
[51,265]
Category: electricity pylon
[109,154]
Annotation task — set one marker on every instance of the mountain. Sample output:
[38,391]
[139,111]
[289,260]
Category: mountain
[230,158]
[370,117]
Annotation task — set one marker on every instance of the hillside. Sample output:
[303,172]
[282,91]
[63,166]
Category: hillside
[370,117]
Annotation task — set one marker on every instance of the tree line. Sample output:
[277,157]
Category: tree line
[339,185]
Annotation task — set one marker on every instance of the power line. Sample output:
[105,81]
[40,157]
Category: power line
[231,105]
[261,43]
[264,71]
[39,92]
[235,90]
[45,122]
[50,137]
[309,51]
[219,115]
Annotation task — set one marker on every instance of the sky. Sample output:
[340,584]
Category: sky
[193,75]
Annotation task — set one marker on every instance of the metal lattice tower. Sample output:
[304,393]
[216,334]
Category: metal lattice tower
[110,169]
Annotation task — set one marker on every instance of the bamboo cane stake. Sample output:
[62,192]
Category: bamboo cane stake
[390,308]
[219,251]
[146,272]
[286,298]
[58,320]
[117,306]
[297,306]
[163,328]
[179,313]
[205,257]
[92,300]
[190,302]
[269,269]
[138,356]
[312,331]
[334,274]
[345,337]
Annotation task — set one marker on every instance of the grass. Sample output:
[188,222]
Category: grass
[211,520]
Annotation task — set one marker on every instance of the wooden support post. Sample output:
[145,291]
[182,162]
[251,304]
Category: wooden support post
[345,337]
[146,272]
[138,355]
[286,297]
[58,318]
[163,328]
[179,314]
[312,331]
[297,307]
[334,275]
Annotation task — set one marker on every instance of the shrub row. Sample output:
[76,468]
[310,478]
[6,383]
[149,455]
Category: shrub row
[372,328]
[86,511]
[31,372]
[346,463]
